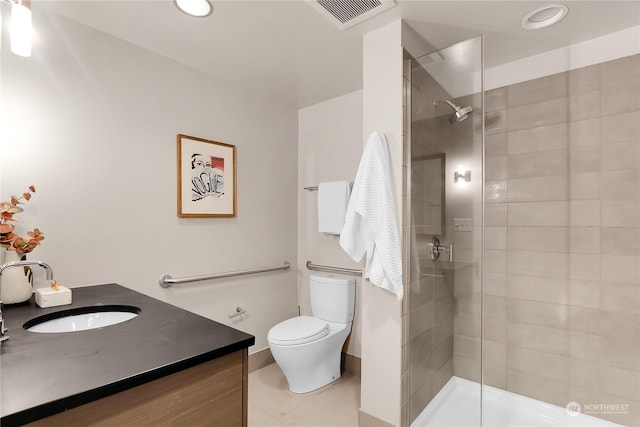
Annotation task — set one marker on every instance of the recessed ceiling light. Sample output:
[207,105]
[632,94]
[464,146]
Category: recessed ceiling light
[198,8]
[544,16]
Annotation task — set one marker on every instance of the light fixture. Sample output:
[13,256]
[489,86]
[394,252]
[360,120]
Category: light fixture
[20,26]
[197,8]
[461,176]
[544,16]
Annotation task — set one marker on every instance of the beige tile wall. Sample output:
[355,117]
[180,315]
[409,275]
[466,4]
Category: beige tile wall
[562,240]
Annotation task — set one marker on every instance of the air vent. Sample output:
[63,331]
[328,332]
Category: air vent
[347,13]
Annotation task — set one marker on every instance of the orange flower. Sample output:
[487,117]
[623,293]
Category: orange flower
[8,239]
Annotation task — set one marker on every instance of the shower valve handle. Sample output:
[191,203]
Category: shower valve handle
[436,250]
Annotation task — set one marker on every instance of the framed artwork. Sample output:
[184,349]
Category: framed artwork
[206,178]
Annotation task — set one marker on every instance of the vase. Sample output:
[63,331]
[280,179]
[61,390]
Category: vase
[16,283]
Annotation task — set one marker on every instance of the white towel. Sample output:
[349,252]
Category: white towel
[370,224]
[333,198]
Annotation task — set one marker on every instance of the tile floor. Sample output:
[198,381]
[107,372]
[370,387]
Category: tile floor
[271,404]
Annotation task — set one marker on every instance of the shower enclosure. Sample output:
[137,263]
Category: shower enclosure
[445,188]
[524,295]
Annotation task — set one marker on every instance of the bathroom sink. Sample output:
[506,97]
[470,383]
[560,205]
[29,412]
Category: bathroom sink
[81,318]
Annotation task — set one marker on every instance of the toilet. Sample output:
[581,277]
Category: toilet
[307,348]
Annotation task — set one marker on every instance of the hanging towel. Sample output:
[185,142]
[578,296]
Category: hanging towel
[370,224]
[332,205]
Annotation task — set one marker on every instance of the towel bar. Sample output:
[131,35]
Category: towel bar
[339,270]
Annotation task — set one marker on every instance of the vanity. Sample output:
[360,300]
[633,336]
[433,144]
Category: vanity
[166,366]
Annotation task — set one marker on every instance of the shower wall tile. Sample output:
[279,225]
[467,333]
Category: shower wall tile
[538,387]
[585,374]
[495,99]
[532,214]
[584,106]
[620,241]
[584,213]
[620,382]
[542,89]
[620,296]
[584,240]
[584,159]
[469,369]
[496,168]
[541,264]
[620,213]
[542,338]
[620,269]
[612,72]
[542,138]
[584,267]
[495,375]
[551,290]
[495,145]
[584,186]
[584,132]
[584,347]
[584,293]
[620,324]
[586,79]
[539,114]
[542,163]
[623,354]
[538,313]
[495,237]
[538,189]
[543,239]
[620,127]
[538,362]
[562,298]
[495,122]
[584,320]
[621,98]
[495,215]
[495,330]
[495,284]
[621,184]
[622,155]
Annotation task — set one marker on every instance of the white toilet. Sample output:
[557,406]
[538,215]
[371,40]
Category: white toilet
[307,349]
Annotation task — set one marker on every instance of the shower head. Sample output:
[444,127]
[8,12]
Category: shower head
[460,113]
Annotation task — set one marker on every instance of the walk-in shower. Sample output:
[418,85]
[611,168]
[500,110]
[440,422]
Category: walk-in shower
[534,320]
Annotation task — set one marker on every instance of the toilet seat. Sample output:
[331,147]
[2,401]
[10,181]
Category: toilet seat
[298,330]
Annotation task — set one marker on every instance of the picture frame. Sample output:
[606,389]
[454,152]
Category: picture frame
[206,178]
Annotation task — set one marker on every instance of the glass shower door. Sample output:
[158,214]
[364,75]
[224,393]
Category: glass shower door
[445,198]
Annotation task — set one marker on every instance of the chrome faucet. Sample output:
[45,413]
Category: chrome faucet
[44,265]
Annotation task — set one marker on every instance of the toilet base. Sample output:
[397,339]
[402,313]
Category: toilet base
[303,379]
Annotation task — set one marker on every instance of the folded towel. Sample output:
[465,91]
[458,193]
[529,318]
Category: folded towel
[370,224]
[332,205]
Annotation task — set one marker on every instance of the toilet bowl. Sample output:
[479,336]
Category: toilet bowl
[308,348]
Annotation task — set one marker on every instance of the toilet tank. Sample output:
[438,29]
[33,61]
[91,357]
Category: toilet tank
[333,298]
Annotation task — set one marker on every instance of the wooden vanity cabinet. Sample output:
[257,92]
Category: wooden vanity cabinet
[213,393]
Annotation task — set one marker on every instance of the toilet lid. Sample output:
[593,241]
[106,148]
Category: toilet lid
[298,330]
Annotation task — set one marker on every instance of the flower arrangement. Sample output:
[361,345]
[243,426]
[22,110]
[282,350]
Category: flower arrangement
[10,240]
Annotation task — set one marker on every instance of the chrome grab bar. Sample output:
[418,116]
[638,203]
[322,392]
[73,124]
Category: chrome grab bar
[167,281]
[330,269]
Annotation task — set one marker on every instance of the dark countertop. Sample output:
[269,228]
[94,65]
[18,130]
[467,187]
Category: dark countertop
[42,374]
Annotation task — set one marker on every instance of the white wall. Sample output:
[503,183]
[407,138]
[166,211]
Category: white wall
[329,149]
[92,122]
[381,311]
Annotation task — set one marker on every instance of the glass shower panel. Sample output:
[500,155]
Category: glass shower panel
[445,198]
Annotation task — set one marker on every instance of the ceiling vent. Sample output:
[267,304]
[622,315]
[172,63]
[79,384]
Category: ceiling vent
[347,13]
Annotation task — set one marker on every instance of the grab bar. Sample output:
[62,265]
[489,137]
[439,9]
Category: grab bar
[339,270]
[167,281]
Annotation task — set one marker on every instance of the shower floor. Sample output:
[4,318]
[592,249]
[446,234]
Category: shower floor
[458,404]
